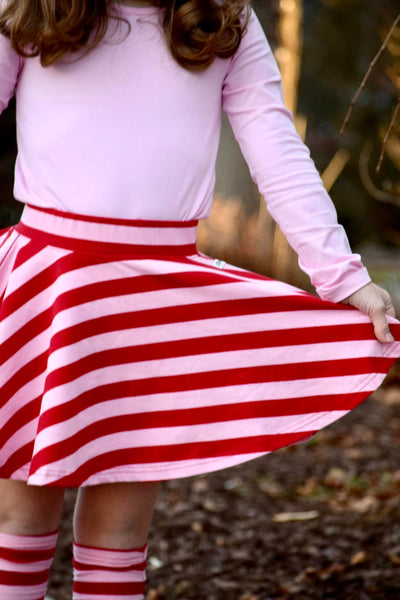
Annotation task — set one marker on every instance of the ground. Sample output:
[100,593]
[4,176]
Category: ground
[320,520]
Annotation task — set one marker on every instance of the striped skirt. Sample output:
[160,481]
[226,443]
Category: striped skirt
[128,356]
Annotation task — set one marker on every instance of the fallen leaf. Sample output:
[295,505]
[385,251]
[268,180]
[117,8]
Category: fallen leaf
[209,505]
[199,486]
[325,573]
[225,585]
[183,587]
[363,505]
[394,558]
[335,477]
[308,488]
[358,558]
[155,563]
[197,527]
[156,594]
[271,488]
[295,516]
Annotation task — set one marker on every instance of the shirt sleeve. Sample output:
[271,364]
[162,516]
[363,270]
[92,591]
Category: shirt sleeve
[281,166]
[10,66]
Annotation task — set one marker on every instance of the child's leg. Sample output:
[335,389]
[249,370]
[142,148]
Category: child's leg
[29,509]
[111,525]
[28,521]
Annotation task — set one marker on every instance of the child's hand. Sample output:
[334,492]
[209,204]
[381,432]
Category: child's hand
[376,303]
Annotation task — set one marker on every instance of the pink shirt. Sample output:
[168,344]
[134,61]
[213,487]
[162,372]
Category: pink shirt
[127,132]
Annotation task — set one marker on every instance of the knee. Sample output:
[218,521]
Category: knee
[29,510]
[110,528]
[115,516]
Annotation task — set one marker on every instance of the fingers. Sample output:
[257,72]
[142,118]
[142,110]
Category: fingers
[381,326]
[379,318]
[376,303]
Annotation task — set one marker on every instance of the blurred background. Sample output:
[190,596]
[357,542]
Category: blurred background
[324,48]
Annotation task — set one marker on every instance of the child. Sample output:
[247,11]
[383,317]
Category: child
[127,357]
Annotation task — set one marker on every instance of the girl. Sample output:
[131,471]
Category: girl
[127,357]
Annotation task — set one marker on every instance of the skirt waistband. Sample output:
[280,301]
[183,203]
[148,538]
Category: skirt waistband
[101,235]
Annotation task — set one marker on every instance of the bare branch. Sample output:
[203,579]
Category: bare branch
[389,131]
[366,179]
[371,66]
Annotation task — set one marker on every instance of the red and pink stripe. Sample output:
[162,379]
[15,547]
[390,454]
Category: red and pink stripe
[102,574]
[128,356]
[25,565]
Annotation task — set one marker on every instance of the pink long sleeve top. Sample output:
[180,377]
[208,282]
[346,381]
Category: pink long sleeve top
[126,132]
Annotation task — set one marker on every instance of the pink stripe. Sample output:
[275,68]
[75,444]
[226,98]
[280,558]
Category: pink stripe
[35,592]
[118,321]
[16,447]
[31,265]
[25,375]
[21,457]
[95,247]
[124,360]
[5,236]
[44,542]
[34,215]
[121,572]
[102,462]
[116,235]
[116,433]
[96,574]
[229,377]
[88,293]
[88,567]
[186,417]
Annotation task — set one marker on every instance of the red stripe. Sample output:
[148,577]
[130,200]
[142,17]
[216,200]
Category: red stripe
[209,414]
[179,452]
[122,251]
[24,415]
[90,293]
[217,379]
[27,373]
[26,556]
[5,234]
[179,314]
[23,579]
[24,335]
[190,417]
[89,567]
[25,253]
[16,461]
[224,342]
[105,588]
[205,345]
[45,278]
[112,221]
[4,239]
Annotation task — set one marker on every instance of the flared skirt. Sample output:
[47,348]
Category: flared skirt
[127,355]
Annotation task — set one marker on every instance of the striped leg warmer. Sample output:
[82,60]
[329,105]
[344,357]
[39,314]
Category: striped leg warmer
[25,565]
[102,574]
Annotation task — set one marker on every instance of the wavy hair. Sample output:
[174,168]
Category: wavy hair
[196,31]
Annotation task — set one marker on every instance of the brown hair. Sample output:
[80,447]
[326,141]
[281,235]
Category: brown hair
[196,31]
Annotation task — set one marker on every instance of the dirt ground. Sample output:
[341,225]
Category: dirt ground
[316,520]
